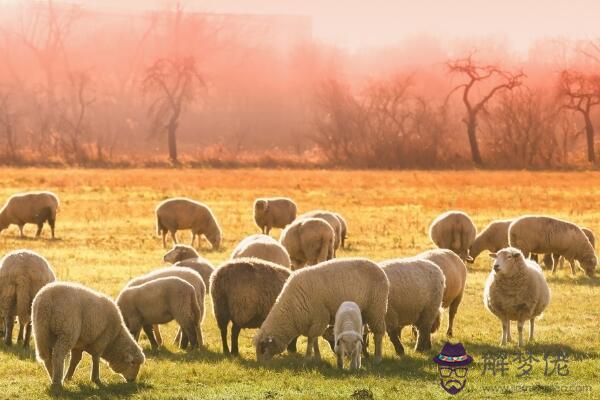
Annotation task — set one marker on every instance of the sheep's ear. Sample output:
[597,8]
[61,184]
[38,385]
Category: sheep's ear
[493,255]
[516,255]
[469,259]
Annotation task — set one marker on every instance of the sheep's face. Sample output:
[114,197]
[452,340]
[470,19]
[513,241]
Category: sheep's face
[349,345]
[267,347]
[214,239]
[589,265]
[260,207]
[129,365]
[507,261]
[180,252]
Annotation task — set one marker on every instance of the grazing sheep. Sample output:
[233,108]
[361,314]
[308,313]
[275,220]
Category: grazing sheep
[22,274]
[181,213]
[455,274]
[454,230]
[542,235]
[188,275]
[158,302]
[332,220]
[550,260]
[243,291]
[415,298]
[263,247]
[275,212]
[308,241]
[70,317]
[348,333]
[343,229]
[493,238]
[311,297]
[515,290]
[182,255]
[30,208]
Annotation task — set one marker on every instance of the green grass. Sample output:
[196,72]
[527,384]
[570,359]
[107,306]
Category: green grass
[107,236]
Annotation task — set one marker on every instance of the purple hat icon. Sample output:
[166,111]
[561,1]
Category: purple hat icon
[453,355]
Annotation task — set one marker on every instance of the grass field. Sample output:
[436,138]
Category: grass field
[107,236]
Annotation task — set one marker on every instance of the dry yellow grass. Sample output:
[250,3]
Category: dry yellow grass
[107,235]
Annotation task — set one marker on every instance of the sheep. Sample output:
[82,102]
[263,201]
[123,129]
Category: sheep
[243,291]
[551,259]
[542,234]
[263,247]
[182,255]
[415,297]
[274,212]
[493,238]
[182,213]
[515,290]
[308,241]
[70,317]
[454,230]
[188,275]
[158,302]
[455,274]
[30,208]
[332,220]
[22,274]
[348,333]
[343,229]
[311,297]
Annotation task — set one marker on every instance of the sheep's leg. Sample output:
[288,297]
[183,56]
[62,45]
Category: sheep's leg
[188,333]
[378,346]
[223,328]
[505,328]
[291,348]
[27,337]
[21,226]
[316,349]
[174,236]
[309,346]
[75,359]
[572,264]
[59,353]
[40,226]
[520,329]
[394,335]
[554,263]
[150,335]
[21,334]
[365,346]
[339,360]
[183,339]
[235,334]
[9,323]
[268,229]
[52,223]
[199,334]
[424,338]
[48,365]
[531,326]
[193,239]
[508,337]
[96,370]
[157,334]
[452,313]
[164,238]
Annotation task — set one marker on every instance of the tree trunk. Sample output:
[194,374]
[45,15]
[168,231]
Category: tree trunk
[589,133]
[472,132]
[172,140]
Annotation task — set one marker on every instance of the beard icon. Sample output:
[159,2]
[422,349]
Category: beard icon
[453,363]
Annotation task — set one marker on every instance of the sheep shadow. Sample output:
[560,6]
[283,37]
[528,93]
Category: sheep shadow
[88,390]
[578,280]
[479,350]
[204,354]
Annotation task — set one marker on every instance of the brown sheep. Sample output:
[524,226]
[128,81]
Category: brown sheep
[454,230]
[30,208]
[275,212]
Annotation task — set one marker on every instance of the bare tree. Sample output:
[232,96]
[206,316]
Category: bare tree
[8,119]
[477,75]
[175,83]
[581,93]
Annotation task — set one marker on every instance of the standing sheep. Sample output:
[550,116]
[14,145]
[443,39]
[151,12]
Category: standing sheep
[158,302]
[182,255]
[454,230]
[30,208]
[542,235]
[551,260]
[308,241]
[243,291]
[348,334]
[515,290]
[415,298]
[493,238]
[22,274]
[181,213]
[332,220]
[69,317]
[311,297]
[275,212]
[263,247]
[455,274]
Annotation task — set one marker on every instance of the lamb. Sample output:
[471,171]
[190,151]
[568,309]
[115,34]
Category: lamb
[22,274]
[493,238]
[332,220]
[308,241]
[243,291]
[455,274]
[182,255]
[70,317]
[454,230]
[311,297]
[188,275]
[348,333]
[343,229]
[542,235]
[550,260]
[415,297]
[30,208]
[515,290]
[275,212]
[182,213]
[158,302]
[263,247]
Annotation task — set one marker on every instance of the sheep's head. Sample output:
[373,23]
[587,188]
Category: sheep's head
[267,347]
[214,238]
[260,206]
[507,261]
[348,344]
[180,252]
[129,365]
[589,264]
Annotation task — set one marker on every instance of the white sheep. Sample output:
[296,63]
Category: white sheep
[454,230]
[262,247]
[30,208]
[182,213]
[308,241]
[493,238]
[274,212]
[182,255]
[348,334]
[552,260]
[515,290]
[542,235]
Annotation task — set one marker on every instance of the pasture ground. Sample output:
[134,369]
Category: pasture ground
[107,235]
